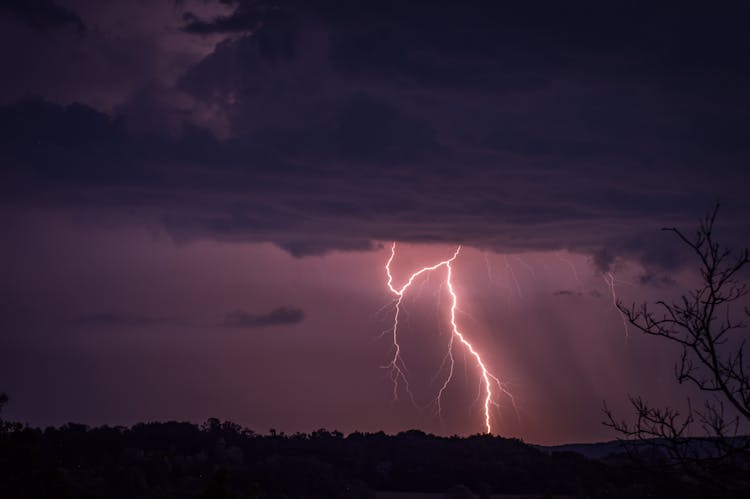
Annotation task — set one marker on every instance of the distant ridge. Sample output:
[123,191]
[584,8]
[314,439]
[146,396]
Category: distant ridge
[596,450]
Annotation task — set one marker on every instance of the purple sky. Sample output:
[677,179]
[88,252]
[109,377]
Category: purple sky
[198,200]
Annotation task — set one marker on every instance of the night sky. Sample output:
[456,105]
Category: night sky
[198,200]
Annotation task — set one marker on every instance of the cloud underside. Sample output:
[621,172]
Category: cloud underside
[496,127]
[199,187]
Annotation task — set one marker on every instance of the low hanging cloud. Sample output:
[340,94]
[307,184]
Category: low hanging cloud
[277,317]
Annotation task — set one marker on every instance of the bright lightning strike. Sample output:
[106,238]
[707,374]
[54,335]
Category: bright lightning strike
[398,368]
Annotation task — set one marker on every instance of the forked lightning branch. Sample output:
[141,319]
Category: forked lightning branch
[397,366]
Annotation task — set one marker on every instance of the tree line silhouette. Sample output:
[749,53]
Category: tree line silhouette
[224,460]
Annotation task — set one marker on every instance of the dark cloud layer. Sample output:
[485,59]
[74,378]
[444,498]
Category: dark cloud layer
[509,127]
[43,15]
[277,317]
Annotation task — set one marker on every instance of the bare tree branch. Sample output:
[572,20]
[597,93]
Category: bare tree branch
[701,323]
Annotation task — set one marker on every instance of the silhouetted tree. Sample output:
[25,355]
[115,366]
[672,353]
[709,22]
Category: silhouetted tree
[712,359]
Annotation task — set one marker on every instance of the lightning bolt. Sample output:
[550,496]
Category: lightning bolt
[609,279]
[513,276]
[489,267]
[398,367]
[526,264]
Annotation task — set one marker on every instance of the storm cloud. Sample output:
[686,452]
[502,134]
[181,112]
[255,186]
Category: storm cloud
[330,127]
